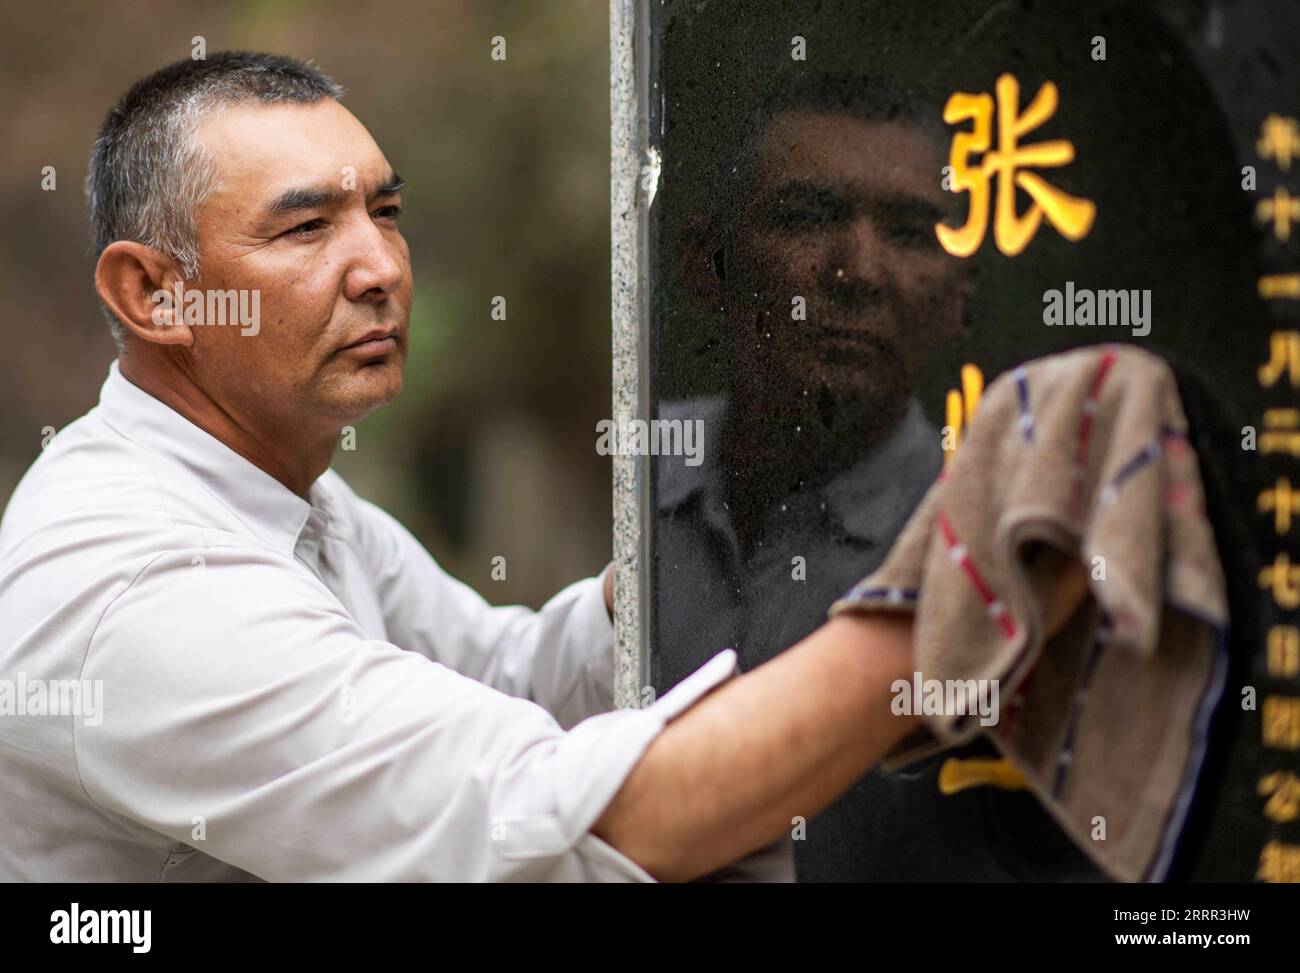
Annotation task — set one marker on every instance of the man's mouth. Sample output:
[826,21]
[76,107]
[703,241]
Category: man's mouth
[863,338]
[854,346]
[372,344]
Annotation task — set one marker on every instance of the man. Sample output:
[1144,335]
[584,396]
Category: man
[820,266]
[221,664]
[820,259]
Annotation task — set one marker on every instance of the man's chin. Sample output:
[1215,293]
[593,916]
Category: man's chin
[853,385]
[367,389]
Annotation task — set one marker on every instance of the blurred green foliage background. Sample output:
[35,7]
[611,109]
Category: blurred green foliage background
[491,448]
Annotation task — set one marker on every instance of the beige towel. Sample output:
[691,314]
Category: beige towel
[1082,454]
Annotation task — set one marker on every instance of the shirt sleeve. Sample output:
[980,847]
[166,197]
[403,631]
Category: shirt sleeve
[560,657]
[245,713]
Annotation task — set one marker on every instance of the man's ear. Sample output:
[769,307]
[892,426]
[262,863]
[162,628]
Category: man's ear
[700,261]
[953,319]
[970,277]
[136,282]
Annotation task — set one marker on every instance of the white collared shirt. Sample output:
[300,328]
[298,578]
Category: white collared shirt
[709,594]
[291,690]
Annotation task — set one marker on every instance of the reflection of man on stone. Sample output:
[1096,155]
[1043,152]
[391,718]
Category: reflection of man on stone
[823,255]
[822,252]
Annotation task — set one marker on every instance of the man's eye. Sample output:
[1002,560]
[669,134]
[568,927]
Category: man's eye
[807,216]
[389,212]
[913,235]
[303,229]
[804,216]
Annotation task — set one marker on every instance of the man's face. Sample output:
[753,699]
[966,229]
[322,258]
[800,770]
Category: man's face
[841,213]
[306,213]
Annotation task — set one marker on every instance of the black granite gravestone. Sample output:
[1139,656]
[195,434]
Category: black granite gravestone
[859,201]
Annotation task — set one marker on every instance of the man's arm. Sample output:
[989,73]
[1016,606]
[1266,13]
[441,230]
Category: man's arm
[560,657]
[245,697]
[783,740]
[786,739]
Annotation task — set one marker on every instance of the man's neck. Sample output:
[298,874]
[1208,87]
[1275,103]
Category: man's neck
[813,436]
[292,456]
[777,444]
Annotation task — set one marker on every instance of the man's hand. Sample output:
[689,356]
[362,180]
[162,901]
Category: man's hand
[1062,582]
[609,592]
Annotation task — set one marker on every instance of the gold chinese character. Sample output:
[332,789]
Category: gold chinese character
[1284,356]
[1280,140]
[1283,650]
[1279,285]
[1279,862]
[1283,792]
[959,408]
[1284,579]
[1282,208]
[1012,233]
[957,775]
[1281,722]
[1281,432]
[1283,501]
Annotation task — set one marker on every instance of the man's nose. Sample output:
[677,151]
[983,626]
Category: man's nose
[376,267]
[859,255]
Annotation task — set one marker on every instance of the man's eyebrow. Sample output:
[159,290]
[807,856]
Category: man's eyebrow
[297,199]
[804,189]
[906,206]
[293,200]
[393,185]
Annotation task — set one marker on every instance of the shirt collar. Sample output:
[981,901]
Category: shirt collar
[868,500]
[875,496]
[676,479]
[270,510]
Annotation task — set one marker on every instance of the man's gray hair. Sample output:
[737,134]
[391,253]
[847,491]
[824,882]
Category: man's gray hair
[148,173]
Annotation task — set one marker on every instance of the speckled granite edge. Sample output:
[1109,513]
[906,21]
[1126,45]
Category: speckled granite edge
[627,235]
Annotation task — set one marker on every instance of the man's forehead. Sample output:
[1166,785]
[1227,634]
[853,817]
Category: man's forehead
[844,149]
[262,151]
